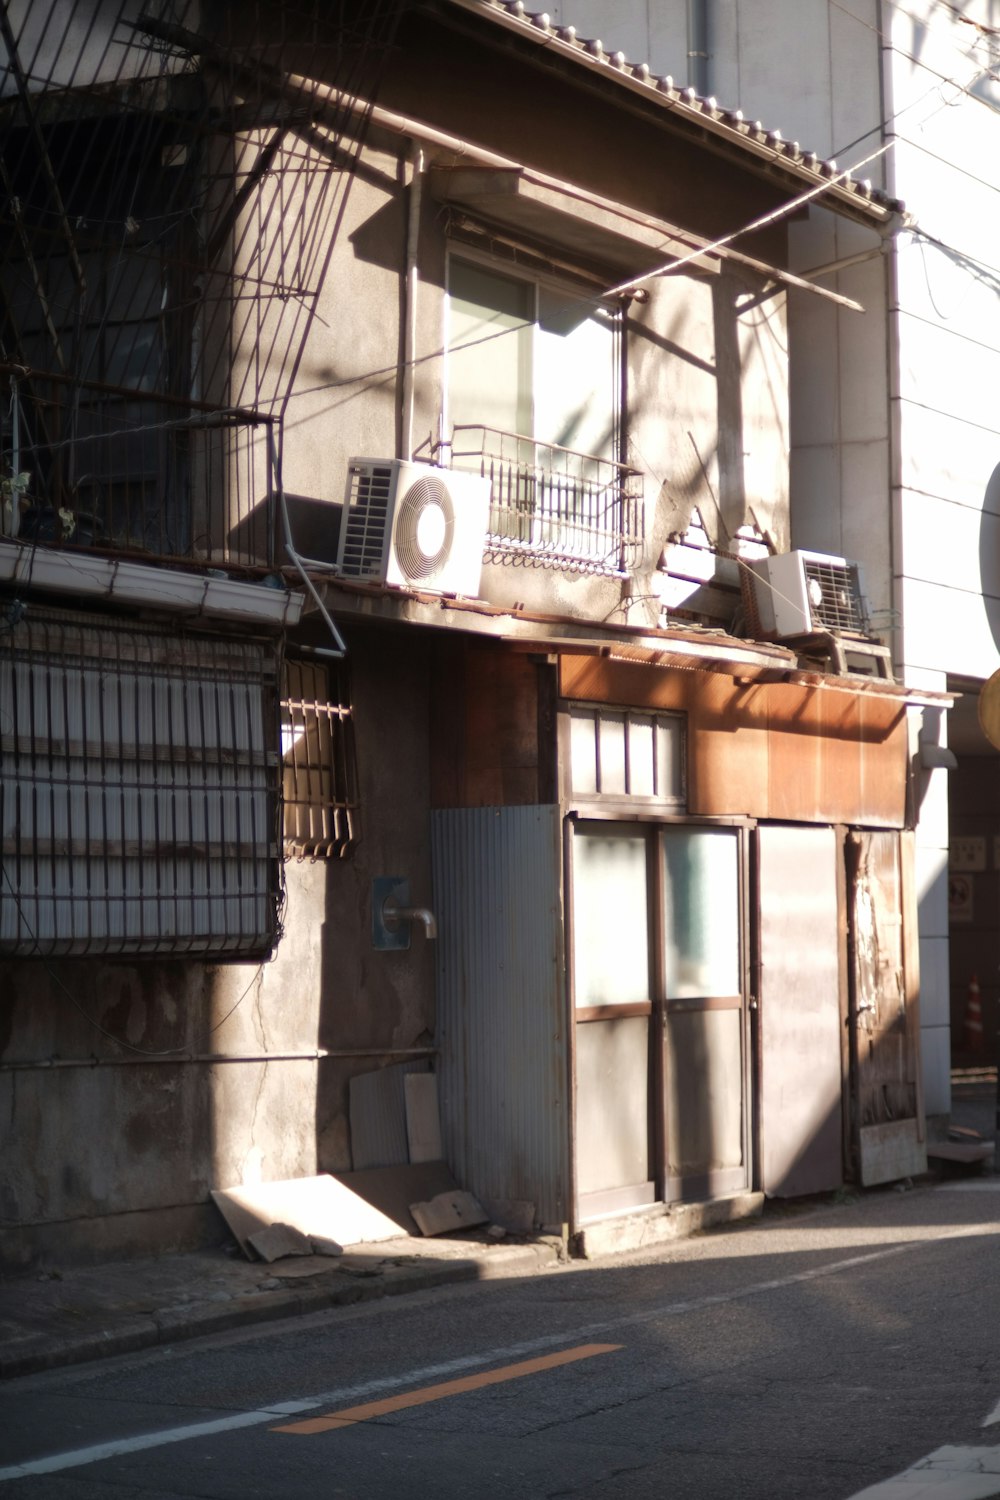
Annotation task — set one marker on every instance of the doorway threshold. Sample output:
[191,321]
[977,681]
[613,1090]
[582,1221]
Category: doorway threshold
[663,1222]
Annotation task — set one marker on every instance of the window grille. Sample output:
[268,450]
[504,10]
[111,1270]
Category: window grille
[321,800]
[138,790]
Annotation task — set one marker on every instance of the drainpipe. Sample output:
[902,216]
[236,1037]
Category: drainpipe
[412,287]
[697,29]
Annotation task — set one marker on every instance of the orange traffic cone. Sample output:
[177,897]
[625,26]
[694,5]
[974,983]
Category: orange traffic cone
[974,1039]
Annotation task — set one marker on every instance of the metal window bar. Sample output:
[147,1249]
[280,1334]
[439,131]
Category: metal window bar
[180,488]
[139,782]
[552,506]
[171,191]
[321,796]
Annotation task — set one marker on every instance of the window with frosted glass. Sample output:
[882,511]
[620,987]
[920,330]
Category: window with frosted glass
[617,753]
[610,940]
[702,919]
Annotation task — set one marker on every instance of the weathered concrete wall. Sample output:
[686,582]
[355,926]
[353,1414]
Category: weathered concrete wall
[110,1150]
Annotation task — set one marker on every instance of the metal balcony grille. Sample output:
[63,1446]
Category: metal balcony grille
[321,800]
[551,506]
[138,790]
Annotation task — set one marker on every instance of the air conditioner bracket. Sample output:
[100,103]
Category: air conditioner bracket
[837,648]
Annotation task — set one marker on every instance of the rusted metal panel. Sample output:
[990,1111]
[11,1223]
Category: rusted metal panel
[501,1005]
[883,1015]
[799,1011]
[794,751]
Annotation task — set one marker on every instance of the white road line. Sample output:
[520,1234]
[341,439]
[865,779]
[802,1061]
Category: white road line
[78,1457]
[994,1416]
[946,1474]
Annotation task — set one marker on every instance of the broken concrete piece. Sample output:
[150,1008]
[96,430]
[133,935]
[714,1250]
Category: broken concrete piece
[497,1232]
[458,1210]
[314,1205]
[516,1215]
[322,1246]
[278,1240]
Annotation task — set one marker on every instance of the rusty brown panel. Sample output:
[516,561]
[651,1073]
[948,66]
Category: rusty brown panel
[789,751]
[884,763]
[484,727]
[594,679]
[727,747]
[447,724]
[501,729]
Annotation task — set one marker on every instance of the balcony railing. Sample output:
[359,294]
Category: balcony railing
[550,506]
[121,473]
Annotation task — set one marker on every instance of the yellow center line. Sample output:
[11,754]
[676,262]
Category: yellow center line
[351,1414]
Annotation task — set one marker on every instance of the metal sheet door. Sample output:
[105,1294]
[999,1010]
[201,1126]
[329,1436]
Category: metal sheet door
[885,1025]
[801,1069]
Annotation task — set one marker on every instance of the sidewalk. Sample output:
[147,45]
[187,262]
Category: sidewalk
[50,1319]
[54,1318]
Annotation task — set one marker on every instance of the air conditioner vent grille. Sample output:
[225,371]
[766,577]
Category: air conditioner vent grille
[834,594]
[365,521]
[425,528]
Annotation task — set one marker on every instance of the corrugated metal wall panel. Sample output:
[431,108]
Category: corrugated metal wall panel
[501,1003]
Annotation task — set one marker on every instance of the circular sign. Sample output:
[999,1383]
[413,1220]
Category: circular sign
[989,709]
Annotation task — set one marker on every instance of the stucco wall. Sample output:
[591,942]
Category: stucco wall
[127,1091]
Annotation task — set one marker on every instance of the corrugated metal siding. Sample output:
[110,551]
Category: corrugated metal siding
[501,1003]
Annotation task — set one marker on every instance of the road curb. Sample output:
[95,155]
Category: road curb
[37,1353]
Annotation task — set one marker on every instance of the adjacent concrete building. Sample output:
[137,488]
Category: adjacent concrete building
[893,419]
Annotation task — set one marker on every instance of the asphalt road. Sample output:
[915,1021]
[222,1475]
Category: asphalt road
[810,1355]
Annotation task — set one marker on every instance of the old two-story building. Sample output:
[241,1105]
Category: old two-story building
[403,666]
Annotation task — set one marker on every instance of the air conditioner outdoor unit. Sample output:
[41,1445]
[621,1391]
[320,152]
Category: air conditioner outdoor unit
[799,593]
[413,526]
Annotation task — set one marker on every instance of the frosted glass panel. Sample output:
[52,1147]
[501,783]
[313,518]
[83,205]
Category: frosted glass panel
[702,918]
[670,758]
[610,944]
[612,1104]
[625,754]
[612,731]
[640,757]
[583,752]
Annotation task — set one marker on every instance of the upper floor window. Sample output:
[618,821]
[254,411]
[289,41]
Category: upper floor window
[622,752]
[533,400]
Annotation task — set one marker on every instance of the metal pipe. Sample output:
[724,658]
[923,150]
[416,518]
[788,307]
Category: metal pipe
[412,288]
[45,1065]
[393,914]
[697,30]
[298,562]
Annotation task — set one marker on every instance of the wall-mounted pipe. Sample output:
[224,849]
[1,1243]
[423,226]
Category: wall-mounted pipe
[49,1064]
[412,289]
[393,915]
[697,29]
